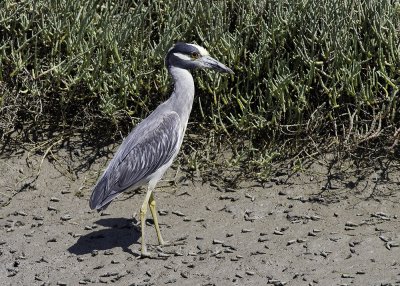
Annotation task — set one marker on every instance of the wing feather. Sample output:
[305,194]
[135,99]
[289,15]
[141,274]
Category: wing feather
[152,144]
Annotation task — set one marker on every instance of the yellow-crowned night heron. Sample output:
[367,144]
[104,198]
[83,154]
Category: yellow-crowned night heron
[148,151]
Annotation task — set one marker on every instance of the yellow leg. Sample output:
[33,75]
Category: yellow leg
[143,211]
[152,205]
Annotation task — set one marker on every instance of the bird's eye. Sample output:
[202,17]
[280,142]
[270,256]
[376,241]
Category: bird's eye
[195,55]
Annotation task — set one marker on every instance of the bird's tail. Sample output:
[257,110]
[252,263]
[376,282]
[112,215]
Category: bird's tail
[98,199]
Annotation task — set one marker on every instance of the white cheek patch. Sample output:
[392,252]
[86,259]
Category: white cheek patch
[202,50]
[182,56]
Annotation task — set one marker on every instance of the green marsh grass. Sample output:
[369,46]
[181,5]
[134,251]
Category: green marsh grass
[309,75]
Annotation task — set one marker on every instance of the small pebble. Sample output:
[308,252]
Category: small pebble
[315,217]
[162,212]
[383,238]
[98,267]
[381,214]
[108,252]
[30,234]
[252,198]
[229,246]
[291,242]
[258,252]
[21,213]
[216,241]
[178,213]
[351,224]
[231,198]
[324,254]
[66,217]
[238,275]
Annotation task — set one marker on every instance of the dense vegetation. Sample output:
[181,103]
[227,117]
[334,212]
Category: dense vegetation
[309,75]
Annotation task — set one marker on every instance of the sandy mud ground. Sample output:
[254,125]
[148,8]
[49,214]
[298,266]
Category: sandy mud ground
[308,228]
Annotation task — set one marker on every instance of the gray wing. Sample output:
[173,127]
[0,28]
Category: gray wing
[149,146]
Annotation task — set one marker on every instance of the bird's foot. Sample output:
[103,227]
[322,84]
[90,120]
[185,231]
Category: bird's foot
[146,254]
[164,242]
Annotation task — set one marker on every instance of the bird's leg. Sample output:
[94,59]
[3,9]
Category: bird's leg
[152,205]
[143,211]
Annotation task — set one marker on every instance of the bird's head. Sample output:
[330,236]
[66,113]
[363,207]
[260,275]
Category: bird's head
[191,56]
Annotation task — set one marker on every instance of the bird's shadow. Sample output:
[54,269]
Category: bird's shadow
[119,232]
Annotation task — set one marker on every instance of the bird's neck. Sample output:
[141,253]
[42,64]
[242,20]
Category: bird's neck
[183,94]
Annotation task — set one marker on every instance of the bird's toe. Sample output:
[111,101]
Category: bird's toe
[146,254]
[164,242]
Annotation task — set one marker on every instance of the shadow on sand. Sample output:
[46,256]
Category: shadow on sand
[119,233]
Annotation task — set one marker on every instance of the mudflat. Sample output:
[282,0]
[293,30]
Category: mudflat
[312,227]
